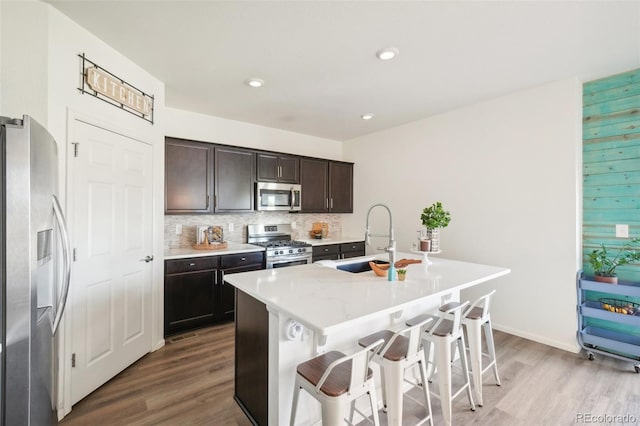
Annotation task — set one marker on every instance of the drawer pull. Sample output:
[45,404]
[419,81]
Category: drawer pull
[243,258]
[326,249]
[192,264]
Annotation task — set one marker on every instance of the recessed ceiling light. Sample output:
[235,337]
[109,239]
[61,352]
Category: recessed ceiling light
[366,116]
[387,53]
[254,82]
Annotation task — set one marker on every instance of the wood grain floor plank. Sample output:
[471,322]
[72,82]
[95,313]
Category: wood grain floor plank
[190,382]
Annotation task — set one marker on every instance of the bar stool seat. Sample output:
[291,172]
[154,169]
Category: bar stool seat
[335,379]
[401,351]
[396,352]
[474,318]
[445,329]
[337,383]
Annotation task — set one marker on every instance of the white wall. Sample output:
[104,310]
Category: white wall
[191,125]
[66,40]
[23,71]
[508,171]
[40,77]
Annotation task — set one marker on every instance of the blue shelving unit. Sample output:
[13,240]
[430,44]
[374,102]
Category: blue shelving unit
[616,340]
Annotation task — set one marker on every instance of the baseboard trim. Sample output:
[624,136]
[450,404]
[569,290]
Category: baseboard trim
[573,348]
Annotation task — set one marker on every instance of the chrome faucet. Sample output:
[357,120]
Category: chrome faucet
[391,249]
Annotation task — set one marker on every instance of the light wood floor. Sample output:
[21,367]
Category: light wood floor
[190,382]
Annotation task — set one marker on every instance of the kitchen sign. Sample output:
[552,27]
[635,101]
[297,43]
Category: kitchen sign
[105,86]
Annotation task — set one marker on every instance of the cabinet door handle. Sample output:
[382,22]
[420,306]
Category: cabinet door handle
[331,202]
[222,277]
[327,203]
[207,202]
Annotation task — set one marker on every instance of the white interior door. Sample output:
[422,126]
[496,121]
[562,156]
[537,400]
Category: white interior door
[112,232]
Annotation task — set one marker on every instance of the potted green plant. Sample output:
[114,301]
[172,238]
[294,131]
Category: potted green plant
[433,218]
[604,263]
[402,274]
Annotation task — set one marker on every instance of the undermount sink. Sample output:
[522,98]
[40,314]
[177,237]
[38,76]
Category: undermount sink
[358,267]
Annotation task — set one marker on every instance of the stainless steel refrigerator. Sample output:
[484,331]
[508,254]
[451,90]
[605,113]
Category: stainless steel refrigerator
[34,260]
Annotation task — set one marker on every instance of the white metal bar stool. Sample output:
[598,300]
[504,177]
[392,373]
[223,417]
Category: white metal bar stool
[442,333]
[335,379]
[474,318]
[402,350]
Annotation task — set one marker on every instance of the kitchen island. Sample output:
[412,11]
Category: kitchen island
[286,316]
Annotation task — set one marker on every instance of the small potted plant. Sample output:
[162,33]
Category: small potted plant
[433,218]
[402,274]
[604,264]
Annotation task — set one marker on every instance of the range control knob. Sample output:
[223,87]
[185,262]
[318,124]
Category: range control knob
[290,251]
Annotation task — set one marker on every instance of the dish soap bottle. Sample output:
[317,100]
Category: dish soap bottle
[391,272]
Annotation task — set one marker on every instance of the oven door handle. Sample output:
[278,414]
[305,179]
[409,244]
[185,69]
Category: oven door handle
[290,259]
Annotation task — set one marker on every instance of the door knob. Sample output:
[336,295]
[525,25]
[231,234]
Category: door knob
[147,259]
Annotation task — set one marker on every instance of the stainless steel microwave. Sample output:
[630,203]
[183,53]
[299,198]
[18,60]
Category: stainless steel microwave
[278,196]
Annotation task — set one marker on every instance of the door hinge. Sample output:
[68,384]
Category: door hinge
[73,360]
[74,255]
[75,148]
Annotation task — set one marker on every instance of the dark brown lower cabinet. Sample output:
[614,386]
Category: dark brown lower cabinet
[348,250]
[190,293]
[252,358]
[338,251]
[232,264]
[326,252]
[195,294]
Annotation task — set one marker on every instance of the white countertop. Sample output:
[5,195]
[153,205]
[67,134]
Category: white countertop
[332,240]
[232,248]
[326,299]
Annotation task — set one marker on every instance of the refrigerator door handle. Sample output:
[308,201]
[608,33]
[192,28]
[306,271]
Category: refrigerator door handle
[66,251]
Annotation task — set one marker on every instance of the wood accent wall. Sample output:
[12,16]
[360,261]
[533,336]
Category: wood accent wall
[611,163]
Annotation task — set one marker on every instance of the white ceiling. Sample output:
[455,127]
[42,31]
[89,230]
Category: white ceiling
[318,57]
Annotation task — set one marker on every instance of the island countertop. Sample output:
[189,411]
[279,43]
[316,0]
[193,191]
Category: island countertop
[325,299]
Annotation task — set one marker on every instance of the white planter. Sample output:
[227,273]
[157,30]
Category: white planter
[434,236]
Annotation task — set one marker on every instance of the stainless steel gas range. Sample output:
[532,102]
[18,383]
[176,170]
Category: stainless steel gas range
[281,250]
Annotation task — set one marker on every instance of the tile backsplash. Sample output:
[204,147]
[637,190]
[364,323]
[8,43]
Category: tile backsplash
[240,221]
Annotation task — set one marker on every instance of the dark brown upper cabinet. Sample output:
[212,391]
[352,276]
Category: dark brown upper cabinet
[188,177]
[327,186]
[340,187]
[278,168]
[234,180]
[205,178]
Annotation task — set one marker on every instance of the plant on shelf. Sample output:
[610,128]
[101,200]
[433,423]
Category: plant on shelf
[433,218]
[604,263]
